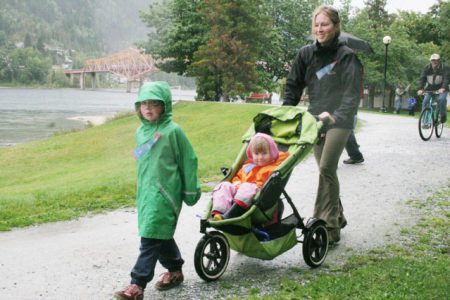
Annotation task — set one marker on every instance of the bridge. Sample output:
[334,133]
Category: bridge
[130,64]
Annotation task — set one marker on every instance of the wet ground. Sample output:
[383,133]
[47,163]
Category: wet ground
[91,257]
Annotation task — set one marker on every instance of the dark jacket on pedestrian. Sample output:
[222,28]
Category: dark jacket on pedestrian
[333,75]
[434,79]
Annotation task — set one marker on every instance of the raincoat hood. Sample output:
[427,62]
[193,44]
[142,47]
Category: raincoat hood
[158,91]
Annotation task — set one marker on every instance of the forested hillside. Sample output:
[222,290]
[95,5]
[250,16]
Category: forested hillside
[82,25]
[41,38]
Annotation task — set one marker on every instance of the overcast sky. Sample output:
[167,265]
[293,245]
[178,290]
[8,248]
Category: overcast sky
[393,6]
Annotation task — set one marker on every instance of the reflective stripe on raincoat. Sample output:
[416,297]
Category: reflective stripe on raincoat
[166,170]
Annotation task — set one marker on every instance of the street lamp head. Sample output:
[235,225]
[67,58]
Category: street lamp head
[387,40]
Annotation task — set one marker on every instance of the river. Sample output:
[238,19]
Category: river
[31,114]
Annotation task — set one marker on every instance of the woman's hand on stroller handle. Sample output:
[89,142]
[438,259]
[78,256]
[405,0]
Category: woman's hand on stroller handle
[326,118]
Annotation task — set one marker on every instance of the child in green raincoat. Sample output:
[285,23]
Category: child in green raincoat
[166,177]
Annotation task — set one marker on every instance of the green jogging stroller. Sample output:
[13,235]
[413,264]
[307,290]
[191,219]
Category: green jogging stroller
[296,131]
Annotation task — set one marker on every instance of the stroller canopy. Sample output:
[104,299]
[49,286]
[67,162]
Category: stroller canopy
[288,125]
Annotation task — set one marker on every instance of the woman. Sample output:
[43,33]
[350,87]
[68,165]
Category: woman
[333,75]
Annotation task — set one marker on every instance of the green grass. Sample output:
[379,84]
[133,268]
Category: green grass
[416,267]
[89,171]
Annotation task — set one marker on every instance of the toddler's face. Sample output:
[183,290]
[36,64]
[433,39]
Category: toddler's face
[261,158]
[151,109]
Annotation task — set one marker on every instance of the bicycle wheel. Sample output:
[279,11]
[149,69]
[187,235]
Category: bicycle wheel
[439,127]
[426,124]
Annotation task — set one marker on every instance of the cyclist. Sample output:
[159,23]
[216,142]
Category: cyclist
[435,77]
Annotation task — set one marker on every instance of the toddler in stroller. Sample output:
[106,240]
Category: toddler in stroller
[251,231]
[232,199]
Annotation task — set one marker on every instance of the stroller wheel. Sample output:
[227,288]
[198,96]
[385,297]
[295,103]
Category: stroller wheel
[211,256]
[315,244]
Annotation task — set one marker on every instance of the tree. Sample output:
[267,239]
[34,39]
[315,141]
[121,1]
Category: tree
[344,12]
[27,41]
[177,30]
[376,11]
[372,24]
[3,38]
[40,43]
[191,38]
[180,28]
[226,65]
[441,11]
[29,66]
[406,55]
[422,28]
[291,26]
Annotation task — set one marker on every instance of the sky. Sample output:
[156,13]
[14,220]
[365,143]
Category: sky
[392,6]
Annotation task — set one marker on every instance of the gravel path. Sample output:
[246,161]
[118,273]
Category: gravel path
[91,257]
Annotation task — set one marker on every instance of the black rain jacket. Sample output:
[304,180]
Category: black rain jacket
[337,92]
[434,79]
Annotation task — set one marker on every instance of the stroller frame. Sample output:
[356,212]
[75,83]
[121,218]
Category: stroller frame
[240,233]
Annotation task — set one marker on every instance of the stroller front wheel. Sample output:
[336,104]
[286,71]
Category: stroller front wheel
[212,255]
[315,244]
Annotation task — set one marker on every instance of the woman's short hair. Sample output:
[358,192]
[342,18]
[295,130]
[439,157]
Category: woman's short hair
[332,13]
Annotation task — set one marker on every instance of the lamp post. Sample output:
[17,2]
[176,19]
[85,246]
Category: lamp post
[386,41]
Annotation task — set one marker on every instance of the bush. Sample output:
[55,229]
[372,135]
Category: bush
[58,79]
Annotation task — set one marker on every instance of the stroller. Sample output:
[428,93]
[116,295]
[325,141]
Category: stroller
[294,130]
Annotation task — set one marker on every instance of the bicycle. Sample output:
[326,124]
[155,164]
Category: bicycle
[430,118]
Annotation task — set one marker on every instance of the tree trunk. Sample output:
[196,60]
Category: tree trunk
[371,95]
[282,86]
[391,97]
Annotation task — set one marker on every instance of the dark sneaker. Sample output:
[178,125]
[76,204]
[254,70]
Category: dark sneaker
[443,119]
[169,280]
[352,161]
[343,222]
[131,292]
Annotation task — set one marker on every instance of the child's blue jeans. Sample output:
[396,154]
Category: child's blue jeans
[152,250]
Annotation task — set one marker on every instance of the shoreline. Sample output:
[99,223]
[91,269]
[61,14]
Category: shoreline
[86,121]
[94,120]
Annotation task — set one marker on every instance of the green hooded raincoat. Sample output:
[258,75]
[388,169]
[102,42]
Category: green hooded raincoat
[167,172]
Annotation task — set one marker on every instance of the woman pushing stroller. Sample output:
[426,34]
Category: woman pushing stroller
[332,73]
[263,158]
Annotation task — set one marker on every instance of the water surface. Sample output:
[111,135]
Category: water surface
[31,114]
